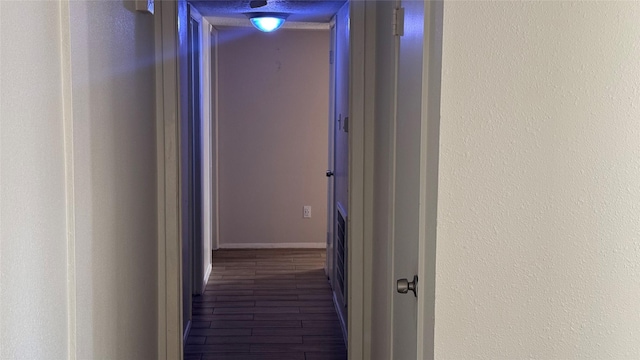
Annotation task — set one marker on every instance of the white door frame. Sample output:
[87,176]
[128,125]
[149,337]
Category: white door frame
[213,108]
[170,341]
[361,161]
[361,141]
[429,162]
[328,266]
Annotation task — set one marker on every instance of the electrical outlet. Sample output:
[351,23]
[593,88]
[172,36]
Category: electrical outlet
[306,211]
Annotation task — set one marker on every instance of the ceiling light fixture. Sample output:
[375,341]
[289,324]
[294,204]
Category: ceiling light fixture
[267,22]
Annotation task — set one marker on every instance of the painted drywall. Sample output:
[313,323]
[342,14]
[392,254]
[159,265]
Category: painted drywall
[113,94]
[33,241]
[538,231]
[273,111]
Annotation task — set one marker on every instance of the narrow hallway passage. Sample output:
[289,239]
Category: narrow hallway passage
[266,304]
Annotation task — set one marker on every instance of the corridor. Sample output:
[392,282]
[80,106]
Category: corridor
[266,304]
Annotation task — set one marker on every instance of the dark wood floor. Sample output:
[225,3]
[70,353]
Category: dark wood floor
[266,304]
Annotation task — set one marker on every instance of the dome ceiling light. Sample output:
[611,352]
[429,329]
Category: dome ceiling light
[267,22]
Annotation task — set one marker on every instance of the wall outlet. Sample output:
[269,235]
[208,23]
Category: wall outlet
[306,212]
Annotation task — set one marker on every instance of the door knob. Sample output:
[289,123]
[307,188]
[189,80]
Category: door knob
[329,173]
[404,285]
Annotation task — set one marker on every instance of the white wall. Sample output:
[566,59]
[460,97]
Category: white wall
[538,231]
[78,253]
[33,242]
[113,94]
[273,111]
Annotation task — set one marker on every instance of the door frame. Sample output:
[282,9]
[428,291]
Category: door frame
[361,142]
[213,149]
[361,191]
[328,266]
[196,158]
[167,52]
[429,173]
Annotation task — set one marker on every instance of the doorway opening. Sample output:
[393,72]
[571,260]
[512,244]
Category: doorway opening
[281,102]
[171,105]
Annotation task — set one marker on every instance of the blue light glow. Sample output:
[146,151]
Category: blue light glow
[267,23]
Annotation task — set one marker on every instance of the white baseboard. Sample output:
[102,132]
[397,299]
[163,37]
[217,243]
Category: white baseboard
[321,245]
[206,277]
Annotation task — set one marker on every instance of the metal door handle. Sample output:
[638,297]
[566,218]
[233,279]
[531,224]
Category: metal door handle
[329,173]
[404,285]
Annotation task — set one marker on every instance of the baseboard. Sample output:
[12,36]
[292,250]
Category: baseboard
[321,245]
[206,277]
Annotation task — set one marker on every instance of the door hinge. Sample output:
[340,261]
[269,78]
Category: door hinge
[330,56]
[398,21]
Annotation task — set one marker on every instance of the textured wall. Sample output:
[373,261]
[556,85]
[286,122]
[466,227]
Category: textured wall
[273,113]
[113,79]
[33,243]
[538,233]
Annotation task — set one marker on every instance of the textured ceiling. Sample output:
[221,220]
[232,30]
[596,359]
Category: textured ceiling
[300,10]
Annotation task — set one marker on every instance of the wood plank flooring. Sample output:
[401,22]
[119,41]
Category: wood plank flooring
[264,305]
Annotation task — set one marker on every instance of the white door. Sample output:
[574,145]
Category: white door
[341,162]
[418,84]
[407,178]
